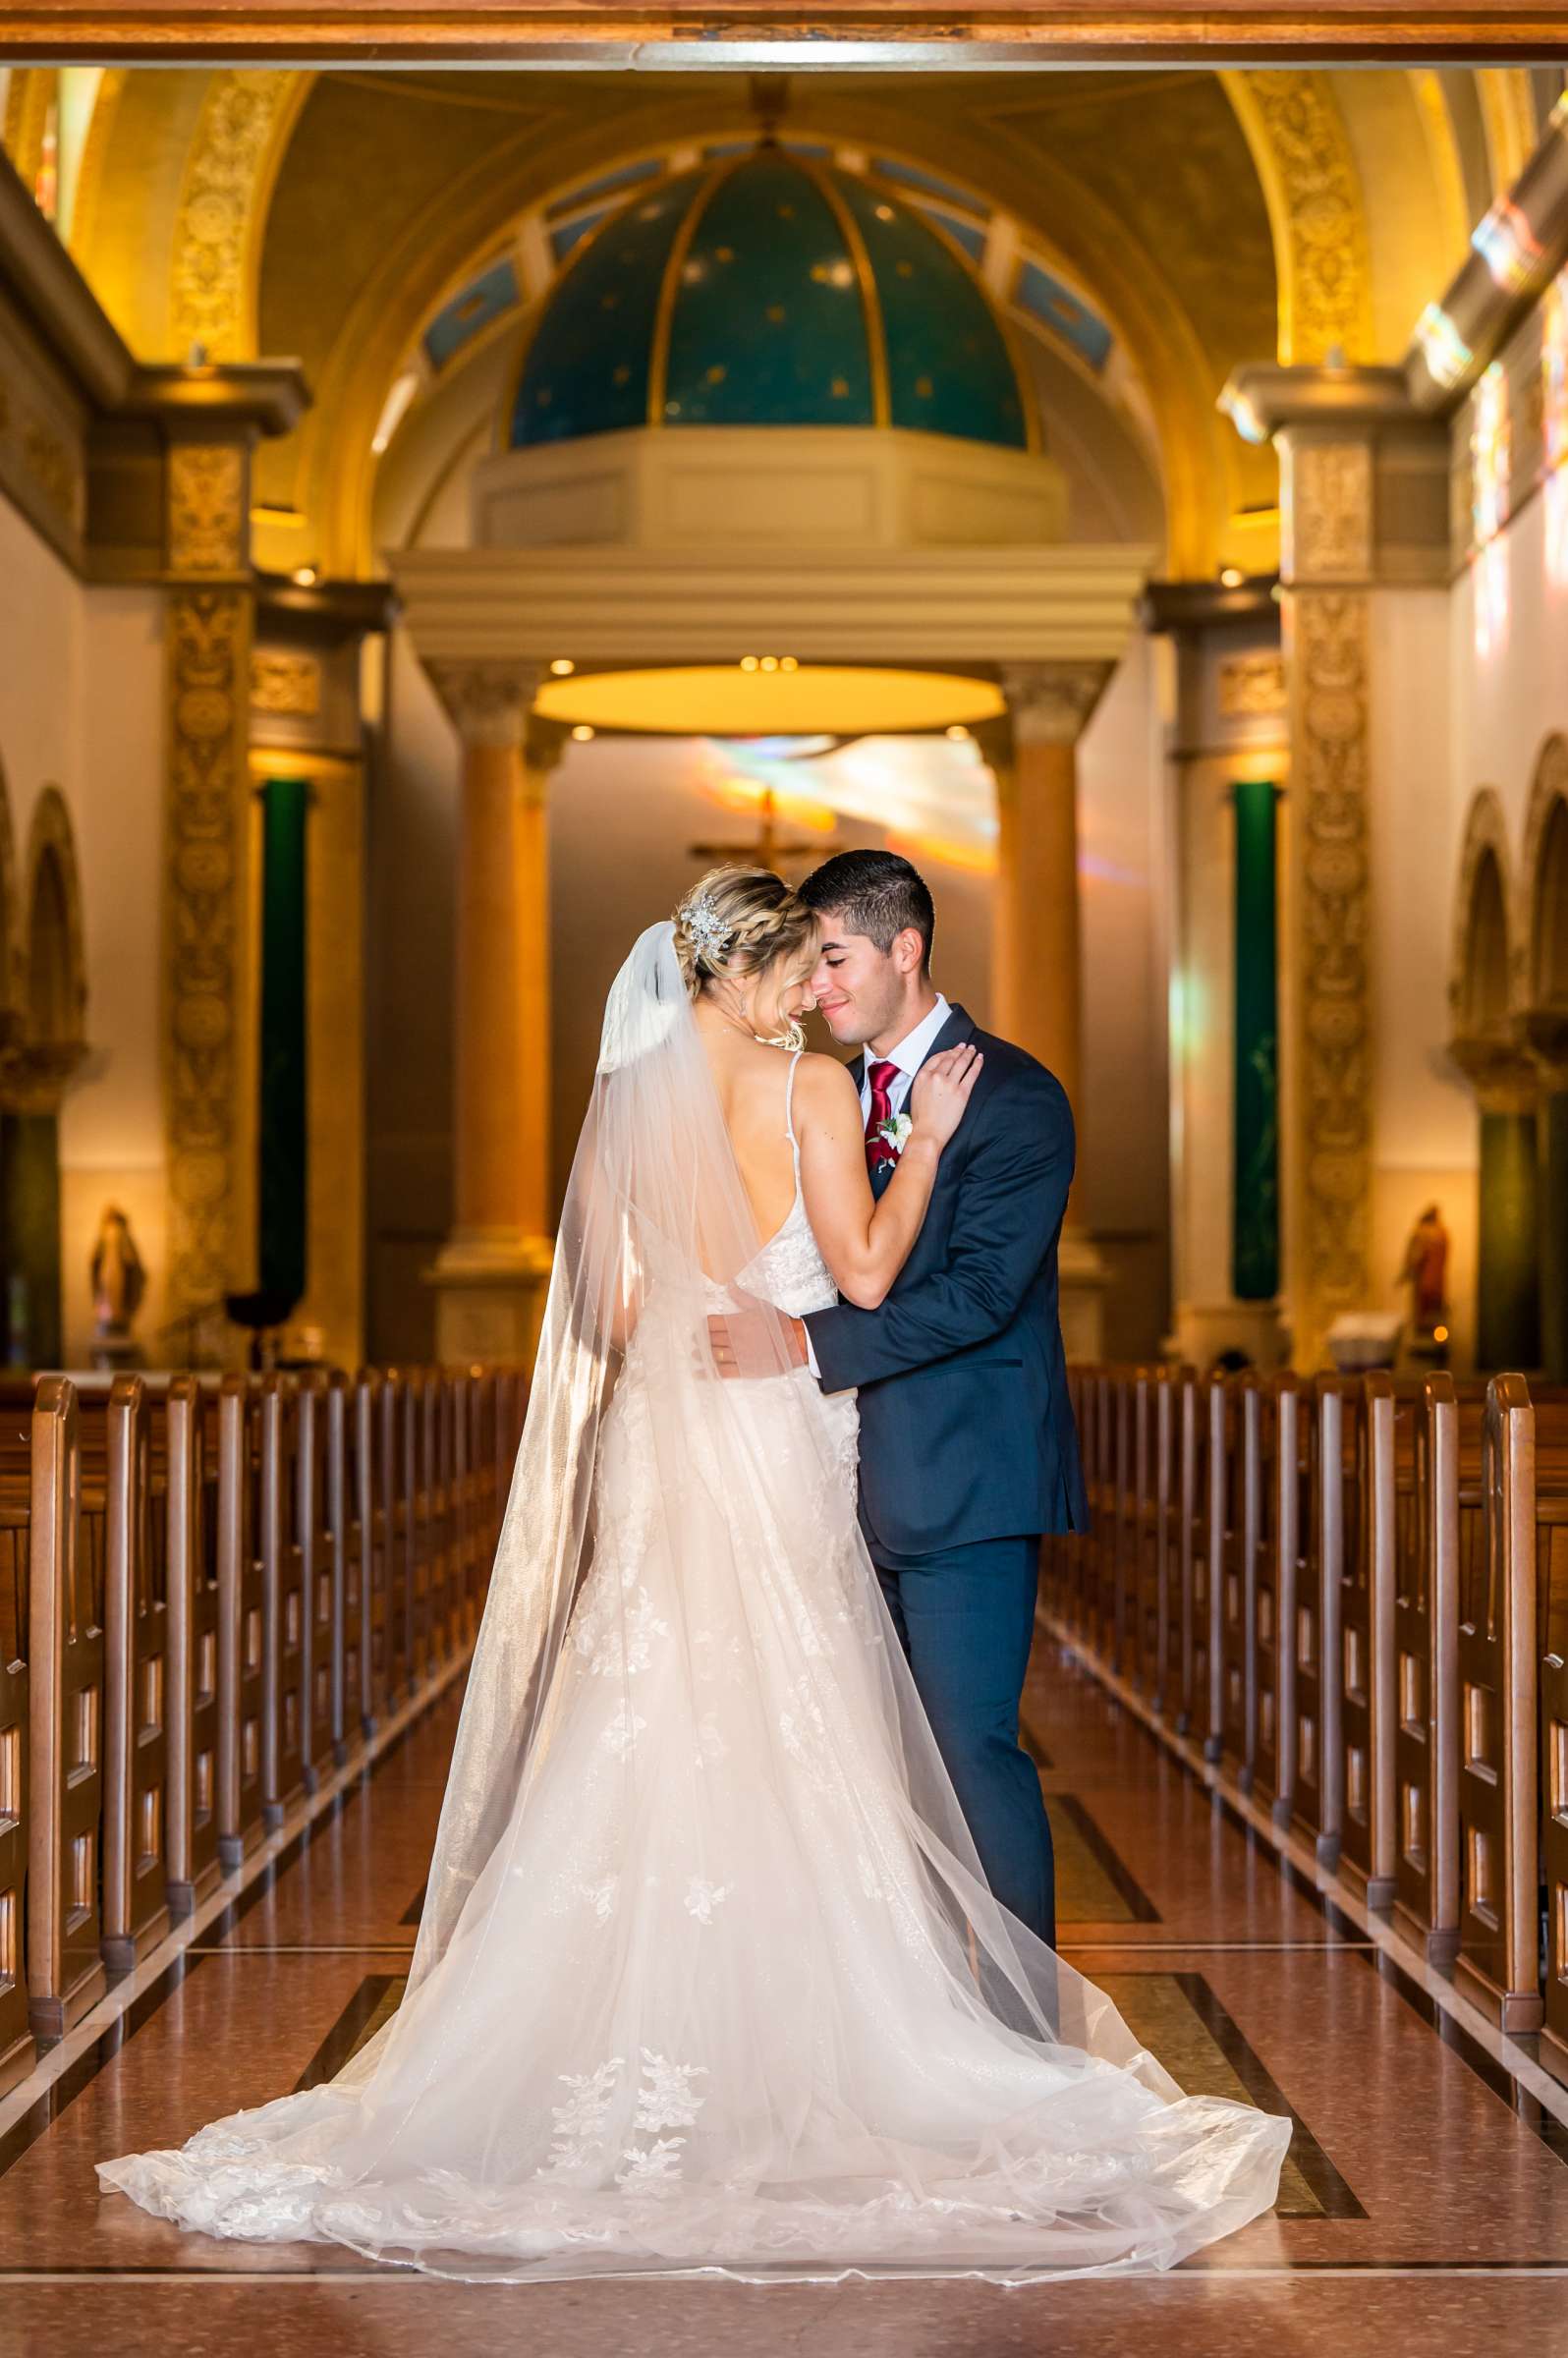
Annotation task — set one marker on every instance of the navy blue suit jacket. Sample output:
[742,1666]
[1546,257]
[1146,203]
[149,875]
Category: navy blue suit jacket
[967,1431]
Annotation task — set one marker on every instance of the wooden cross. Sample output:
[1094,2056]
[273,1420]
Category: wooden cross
[769,851]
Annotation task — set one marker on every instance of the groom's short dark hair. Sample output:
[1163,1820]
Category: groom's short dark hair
[875,893]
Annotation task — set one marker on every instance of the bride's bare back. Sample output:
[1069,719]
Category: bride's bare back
[864,1239]
[751,1079]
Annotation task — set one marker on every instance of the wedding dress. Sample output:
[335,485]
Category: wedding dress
[708,1978]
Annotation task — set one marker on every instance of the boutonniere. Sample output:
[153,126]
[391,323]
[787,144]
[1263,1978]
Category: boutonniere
[895,1132]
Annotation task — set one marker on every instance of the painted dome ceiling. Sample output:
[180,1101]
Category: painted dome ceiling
[767,289]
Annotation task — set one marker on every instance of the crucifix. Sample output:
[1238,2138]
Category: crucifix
[769,851]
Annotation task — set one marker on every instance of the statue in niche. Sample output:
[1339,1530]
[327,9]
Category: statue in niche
[1425,1272]
[119,1285]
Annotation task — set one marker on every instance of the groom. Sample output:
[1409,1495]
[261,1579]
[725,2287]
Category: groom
[967,1447]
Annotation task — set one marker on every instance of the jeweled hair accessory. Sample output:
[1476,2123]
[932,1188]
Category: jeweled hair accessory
[707,927]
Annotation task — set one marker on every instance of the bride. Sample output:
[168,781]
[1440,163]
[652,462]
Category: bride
[708,1977]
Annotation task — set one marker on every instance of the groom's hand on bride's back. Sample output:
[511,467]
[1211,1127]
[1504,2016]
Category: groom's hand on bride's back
[750,1342]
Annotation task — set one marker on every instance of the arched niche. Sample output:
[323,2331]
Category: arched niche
[1481,989]
[52,957]
[1489,1045]
[1546,1027]
[1545,871]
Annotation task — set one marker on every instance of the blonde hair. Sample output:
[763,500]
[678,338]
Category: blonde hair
[735,922]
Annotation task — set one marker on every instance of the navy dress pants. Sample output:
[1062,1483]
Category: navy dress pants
[966,1618]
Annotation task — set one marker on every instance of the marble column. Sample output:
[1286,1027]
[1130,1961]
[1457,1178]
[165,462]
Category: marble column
[491,1274]
[1036,982]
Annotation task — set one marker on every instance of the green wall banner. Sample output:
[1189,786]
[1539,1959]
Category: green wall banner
[1255,1220]
[283,1139]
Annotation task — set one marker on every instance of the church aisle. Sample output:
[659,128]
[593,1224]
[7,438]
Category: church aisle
[1424,2195]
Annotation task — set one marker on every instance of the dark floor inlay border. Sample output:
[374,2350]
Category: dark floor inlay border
[1106,1856]
[371,2004]
[1328,2187]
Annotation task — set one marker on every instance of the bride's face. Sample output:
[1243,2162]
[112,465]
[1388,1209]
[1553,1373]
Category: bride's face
[782,994]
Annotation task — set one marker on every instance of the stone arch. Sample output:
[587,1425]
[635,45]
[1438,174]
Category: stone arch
[1482,988]
[53,958]
[1313,190]
[1545,874]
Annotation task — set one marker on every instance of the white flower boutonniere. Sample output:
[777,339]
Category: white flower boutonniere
[895,1132]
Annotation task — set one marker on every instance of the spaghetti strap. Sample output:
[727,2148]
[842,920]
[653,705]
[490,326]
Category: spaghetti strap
[789,1110]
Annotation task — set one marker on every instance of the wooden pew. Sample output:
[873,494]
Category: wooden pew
[395,1479]
[1241,1476]
[1189,1470]
[1333,1419]
[1449,1427]
[284,1641]
[347,1723]
[372,1505]
[1497,1965]
[1211,1496]
[17,2051]
[181,1420]
[66,1717]
[1551,1580]
[243,1690]
[1142,1533]
[1278,1575]
[1163,1652]
[1370,1696]
[1099,1473]
[320,1576]
[117,1451]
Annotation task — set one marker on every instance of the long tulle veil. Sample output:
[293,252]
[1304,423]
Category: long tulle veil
[709,1975]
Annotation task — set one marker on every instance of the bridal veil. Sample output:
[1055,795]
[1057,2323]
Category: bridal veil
[708,1977]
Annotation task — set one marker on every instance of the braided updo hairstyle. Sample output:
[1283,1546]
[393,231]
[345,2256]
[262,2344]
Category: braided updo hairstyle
[735,922]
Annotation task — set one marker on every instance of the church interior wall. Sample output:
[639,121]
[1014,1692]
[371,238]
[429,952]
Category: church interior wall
[81,709]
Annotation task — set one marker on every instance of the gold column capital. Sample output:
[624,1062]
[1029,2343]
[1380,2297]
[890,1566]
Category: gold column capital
[1049,703]
[1503,1076]
[487,699]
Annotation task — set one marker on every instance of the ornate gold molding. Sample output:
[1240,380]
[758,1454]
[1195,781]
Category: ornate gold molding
[206,491]
[1327,506]
[1312,191]
[1250,687]
[209,643]
[487,699]
[228,180]
[1330,662]
[285,682]
[1049,703]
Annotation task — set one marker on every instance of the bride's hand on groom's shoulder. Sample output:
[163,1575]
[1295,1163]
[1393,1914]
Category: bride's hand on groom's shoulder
[941,1091]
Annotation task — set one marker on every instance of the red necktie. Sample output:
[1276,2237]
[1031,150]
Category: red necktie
[878,1150]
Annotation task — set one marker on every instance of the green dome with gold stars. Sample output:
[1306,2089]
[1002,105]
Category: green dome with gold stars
[769,288]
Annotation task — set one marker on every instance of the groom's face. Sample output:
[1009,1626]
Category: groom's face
[858,988]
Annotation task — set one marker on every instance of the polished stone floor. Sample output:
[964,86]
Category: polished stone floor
[1425,2204]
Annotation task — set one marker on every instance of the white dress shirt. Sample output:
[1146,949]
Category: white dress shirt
[909,1055]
